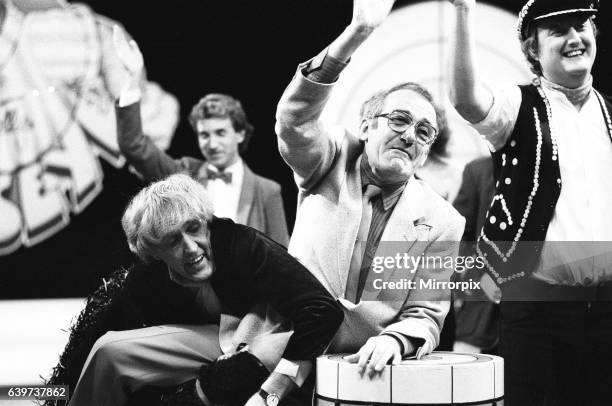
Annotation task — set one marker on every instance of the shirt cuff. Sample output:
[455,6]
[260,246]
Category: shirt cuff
[324,68]
[405,342]
[129,96]
[297,371]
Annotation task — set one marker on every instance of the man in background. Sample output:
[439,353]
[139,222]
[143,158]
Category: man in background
[223,132]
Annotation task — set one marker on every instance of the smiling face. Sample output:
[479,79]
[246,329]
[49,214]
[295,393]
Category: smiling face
[187,251]
[219,141]
[566,49]
[394,157]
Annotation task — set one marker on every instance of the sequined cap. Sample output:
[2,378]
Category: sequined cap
[535,10]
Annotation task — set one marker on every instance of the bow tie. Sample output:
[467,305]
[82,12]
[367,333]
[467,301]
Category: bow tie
[224,176]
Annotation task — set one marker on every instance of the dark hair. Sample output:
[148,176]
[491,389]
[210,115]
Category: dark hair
[217,105]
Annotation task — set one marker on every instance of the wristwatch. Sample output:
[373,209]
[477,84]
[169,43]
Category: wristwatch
[271,399]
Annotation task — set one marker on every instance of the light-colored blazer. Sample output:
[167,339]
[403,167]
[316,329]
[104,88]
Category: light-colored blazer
[326,163]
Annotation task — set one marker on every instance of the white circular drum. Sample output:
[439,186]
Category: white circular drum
[440,378]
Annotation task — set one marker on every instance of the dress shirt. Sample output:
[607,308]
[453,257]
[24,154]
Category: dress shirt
[382,207]
[585,160]
[225,196]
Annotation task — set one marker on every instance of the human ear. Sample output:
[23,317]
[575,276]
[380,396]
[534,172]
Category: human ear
[363,130]
[532,50]
[241,135]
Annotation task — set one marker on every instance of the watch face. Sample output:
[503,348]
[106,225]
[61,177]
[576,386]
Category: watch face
[272,399]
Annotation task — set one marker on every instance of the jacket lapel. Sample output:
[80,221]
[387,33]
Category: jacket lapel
[247,195]
[349,217]
[406,226]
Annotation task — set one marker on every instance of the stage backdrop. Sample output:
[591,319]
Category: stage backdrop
[193,47]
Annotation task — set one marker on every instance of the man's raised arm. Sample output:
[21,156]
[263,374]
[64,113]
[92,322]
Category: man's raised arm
[124,70]
[470,97]
[304,143]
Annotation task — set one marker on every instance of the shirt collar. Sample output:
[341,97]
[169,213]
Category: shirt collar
[233,168]
[236,169]
[576,96]
[390,194]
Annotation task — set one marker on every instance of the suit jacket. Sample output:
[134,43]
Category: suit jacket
[267,299]
[475,195]
[250,268]
[260,204]
[326,168]
[477,318]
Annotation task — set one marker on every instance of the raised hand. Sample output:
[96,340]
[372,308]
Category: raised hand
[128,52]
[122,64]
[370,13]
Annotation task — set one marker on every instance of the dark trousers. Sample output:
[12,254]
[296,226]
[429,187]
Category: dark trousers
[557,353]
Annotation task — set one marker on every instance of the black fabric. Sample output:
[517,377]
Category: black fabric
[218,379]
[556,353]
[249,268]
[542,8]
[522,146]
[514,184]
[477,319]
[252,268]
[184,395]
[138,297]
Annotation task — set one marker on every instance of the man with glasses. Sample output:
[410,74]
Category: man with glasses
[358,198]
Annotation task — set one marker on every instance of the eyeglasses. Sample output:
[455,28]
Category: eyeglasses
[400,122]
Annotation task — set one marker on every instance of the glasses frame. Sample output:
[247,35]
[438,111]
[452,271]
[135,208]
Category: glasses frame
[412,124]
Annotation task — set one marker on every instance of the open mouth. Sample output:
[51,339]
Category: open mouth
[574,53]
[196,261]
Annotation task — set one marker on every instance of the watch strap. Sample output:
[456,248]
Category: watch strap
[263,394]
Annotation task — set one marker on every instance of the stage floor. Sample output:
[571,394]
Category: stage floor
[33,333]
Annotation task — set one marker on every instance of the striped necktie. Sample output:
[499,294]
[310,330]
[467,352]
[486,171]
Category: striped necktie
[369,194]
